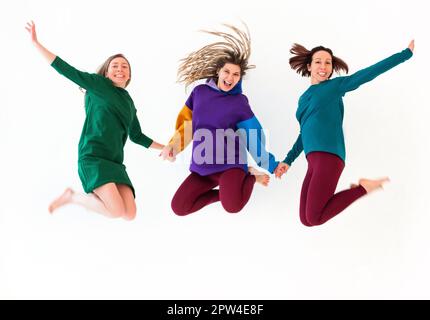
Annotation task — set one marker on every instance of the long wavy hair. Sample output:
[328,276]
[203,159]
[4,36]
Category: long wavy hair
[303,57]
[205,63]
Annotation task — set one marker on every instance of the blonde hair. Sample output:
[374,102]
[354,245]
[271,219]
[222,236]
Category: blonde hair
[206,62]
[102,70]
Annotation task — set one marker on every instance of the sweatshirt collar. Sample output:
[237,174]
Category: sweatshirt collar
[236,89]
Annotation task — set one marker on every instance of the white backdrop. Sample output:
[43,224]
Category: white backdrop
[377,248]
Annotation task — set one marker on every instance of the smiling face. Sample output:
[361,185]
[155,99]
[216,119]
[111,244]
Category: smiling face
[228,76]
[321,66]
[118,72]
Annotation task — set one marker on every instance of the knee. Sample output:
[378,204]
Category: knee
[307,224]
[312,220]
[232,207]
[130,215]
[179,207]
[305,221]
[118,211]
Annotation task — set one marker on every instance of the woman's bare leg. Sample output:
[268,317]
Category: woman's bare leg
[105,200]
[129,202]
[372,185]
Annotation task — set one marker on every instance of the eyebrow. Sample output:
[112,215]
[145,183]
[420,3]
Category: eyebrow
[117,63]
[329,59]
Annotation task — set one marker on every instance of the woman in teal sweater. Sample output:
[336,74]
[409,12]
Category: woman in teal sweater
[320,114]
[110,119]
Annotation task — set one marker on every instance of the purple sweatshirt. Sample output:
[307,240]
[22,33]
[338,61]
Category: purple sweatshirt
[216,118]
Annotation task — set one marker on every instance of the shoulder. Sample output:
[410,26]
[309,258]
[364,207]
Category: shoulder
[337,80]
[197,90]
[200,88]
[244,98]
[244,107]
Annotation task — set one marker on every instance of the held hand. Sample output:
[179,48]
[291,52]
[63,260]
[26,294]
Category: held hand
[281,169]
[31,28]
[412,45]
[168,153]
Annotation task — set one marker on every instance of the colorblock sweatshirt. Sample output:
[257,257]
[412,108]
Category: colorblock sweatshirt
[222,127]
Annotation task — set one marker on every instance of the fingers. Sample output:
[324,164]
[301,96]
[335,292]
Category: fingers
[30,26]
[412,45]
[31,29]
[167,153]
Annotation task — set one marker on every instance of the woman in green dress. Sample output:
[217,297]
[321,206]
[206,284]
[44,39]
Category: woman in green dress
[110,119]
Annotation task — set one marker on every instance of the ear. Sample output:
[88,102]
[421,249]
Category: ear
[309,67]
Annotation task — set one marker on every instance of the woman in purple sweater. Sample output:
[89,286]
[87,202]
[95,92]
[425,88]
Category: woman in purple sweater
[219,120]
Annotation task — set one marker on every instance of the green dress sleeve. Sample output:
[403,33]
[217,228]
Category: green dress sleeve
[355,80]
[89,81]
[136,135]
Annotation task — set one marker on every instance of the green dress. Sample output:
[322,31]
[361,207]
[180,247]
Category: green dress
[110,119]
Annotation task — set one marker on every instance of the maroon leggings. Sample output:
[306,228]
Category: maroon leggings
[318,203]
[196,192]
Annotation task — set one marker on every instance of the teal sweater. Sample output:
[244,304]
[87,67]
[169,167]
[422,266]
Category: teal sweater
[320,110]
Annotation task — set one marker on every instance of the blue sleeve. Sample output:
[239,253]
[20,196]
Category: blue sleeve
[355,80]
[295,151]
[252,132]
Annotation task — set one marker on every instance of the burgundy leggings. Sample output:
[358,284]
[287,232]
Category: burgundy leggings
[318,203]
[196,192]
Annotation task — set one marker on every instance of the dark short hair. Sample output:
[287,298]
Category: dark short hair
[302,57]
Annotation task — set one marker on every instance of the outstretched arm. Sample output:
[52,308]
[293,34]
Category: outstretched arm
[88,81]
[355,80]
[48,55]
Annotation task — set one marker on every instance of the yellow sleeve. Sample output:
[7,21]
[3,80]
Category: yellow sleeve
[184,133]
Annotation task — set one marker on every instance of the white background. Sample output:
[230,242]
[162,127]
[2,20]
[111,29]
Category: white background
[376,249]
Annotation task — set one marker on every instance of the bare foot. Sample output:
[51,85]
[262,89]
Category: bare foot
[260,177]
[65,198]
[372,185]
